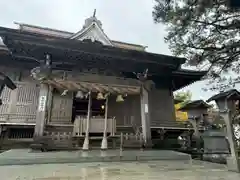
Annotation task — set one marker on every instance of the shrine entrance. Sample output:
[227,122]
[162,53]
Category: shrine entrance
[93,109]
[80,108]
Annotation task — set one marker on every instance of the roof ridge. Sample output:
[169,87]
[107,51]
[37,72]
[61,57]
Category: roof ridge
[129,43]
[72,33]
[41,27]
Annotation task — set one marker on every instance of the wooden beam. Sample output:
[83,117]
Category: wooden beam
[133,90]
[80,87]
[68,85]
[104,88]
[94,87]
[87,86]
[116,89]
[123,90]
[111,90]
[55,84]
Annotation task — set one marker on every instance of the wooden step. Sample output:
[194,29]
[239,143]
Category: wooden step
[127,129]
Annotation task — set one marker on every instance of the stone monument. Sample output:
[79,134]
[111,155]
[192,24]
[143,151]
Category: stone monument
[196,112]
[226,104]
[216,147]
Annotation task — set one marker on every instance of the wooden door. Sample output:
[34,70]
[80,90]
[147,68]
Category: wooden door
[24,103]
[19,105]
[61,109]
[6,102]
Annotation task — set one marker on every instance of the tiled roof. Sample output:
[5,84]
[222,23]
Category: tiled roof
[230,94]
[195,105]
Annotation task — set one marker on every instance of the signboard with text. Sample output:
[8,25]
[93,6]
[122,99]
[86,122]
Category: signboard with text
[42,103]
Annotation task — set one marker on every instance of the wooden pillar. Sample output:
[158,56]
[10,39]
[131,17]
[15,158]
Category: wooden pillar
[145,117]
[104,144]
[86,140]
[49,103]
[42,110]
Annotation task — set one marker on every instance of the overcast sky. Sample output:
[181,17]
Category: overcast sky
[127,20]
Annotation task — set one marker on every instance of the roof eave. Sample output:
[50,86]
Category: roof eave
[193,105]
[227,94]
[170,61]
[188,76]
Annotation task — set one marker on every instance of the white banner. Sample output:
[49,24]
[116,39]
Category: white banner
[146,108]
[42,103]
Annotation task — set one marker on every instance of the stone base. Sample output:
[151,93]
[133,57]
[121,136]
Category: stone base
[27,157]
[38,144]
[233,164]
[86,144]
[215,158]
[148,145]
[104,144]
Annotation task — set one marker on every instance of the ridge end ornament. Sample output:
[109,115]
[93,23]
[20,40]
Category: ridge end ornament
[94,13]
[142,76]
[43,71]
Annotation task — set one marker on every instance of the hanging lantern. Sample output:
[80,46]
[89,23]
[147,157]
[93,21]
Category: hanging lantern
[119,98]
[102,107]
[100,96]
[64,93]
[79,94]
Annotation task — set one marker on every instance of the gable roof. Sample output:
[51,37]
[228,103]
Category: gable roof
[87,30]
[66,34]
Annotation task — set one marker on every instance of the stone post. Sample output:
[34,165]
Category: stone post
[233,162]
